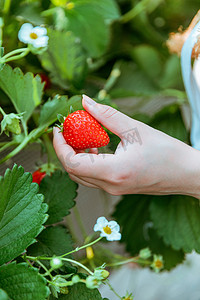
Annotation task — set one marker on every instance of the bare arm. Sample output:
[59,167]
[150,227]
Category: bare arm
[146,161]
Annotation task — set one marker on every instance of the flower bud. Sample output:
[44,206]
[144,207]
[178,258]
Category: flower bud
[56,263]
[92,282]
[101,274]
[11,123]
[75,279]
[145,253]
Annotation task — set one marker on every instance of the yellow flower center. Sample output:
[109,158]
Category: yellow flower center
[158,264]
[33,36]
[107,230]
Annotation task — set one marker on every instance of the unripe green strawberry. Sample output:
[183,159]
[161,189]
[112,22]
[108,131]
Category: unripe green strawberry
[82,131]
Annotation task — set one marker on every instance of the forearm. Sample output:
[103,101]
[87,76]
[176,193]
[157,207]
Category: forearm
[190,169]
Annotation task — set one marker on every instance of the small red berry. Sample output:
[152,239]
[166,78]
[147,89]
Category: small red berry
[83,131]
[46,80]
[38,176]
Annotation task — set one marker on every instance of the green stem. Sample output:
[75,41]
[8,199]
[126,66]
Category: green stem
[79,221]
[6,7]
[82,247]
[134,260]
[14,52]
[43,266]
[112,289]
[78,264]
[114,75]
[34,134]
[52,157]
[70,225]
[136,10]
[1,31]
[16,57]
[36,259]
[8,145]
[2,111]
[28,262]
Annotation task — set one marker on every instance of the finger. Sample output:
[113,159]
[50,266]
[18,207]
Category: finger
[81,164]
[64,151]
[111,118]
[83,182]
[92,165]
[94,150]
[80,151]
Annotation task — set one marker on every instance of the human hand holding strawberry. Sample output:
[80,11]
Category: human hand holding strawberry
[146,160]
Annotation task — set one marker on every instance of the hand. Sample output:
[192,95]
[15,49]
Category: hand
[146,160]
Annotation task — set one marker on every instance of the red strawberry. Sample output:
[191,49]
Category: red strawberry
[38,176]
[82,131]
[46,80]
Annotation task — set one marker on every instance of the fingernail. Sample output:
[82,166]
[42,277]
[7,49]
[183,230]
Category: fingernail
[88,100]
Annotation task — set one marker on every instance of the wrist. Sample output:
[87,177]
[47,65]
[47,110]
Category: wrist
[190,175]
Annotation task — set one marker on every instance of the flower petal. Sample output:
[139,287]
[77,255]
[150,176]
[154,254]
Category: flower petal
[40,42]
[114,225]
[115,236]
[40,31]
[24,33]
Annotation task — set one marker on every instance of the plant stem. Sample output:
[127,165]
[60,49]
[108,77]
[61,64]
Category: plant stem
[78,264]
[70,226]
[14,52]
[6,7]
[47,271]
[79,221]
[7,145]
[24,53]
[34,134]
[134,259]
[112,289]
[36,259]
[1,32]
[136,10]
[82,247]
[2,111]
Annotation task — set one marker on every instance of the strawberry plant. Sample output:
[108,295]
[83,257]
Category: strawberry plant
[51,52]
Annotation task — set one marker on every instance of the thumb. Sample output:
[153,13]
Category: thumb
[109,117]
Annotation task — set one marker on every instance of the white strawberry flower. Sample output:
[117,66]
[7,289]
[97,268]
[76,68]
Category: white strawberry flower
[36,36]
[109,229]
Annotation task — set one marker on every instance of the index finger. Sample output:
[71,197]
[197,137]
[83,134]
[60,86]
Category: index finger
[81,164]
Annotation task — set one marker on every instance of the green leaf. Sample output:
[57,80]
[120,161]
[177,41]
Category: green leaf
[64,59]
[107,8]
[81,292]
[49,111]
[53,241]
[132,82]
[30,12]
[148,58]
[171,257]
[138,231]
[22,282]
[3,295]
[25,91]
[176,219]
[22,213]
[169,120]
[132,213]
[82,20]
[59,192]
[171,77]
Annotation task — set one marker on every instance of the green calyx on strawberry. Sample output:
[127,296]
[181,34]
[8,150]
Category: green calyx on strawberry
[42,171]
[82,131]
